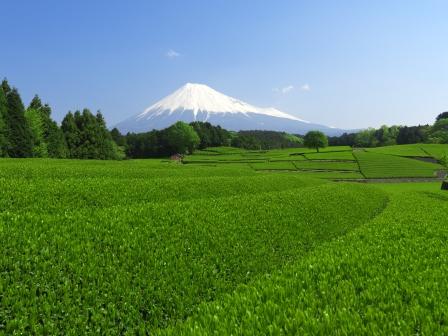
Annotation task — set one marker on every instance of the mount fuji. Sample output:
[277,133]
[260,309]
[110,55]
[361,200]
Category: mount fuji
[198,102]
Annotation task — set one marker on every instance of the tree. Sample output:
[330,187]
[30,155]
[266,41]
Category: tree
[36,125]
[53,137]
[119,139]
[246,141]
[386,136]
[444,160]
[441,116]
[366,138]
[3,129]
[439,132]
[412,134]
[87,137]
[265,140]
[5,86]
[71,134]
[144,145]
[180,138]
[211,136]
[346,139]
[315,139]
[20,137]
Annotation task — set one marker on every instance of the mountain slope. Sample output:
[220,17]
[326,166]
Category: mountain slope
[198,102]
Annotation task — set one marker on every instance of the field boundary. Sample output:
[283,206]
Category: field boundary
[392,180]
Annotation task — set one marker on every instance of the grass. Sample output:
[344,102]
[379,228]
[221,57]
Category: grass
[381,162]
[155,247]
[343,155]
[94,255]
[274,165]
[435,150]
[386,277]
[375,165]
[327,165]
[422,150]
[337,161]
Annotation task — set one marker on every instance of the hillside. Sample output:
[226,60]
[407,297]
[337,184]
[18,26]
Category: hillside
[232,241]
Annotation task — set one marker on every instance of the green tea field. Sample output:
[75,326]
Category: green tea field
[229,242]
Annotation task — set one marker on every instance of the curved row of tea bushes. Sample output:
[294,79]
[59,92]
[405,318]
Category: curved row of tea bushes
[135,268]
[375,165]
[387,277]
[44,195]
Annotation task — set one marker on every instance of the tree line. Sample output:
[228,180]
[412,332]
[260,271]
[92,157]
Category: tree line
[184,138]
[396,135]
[31,132]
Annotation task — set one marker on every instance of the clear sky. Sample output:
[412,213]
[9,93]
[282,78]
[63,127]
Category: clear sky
[348,64]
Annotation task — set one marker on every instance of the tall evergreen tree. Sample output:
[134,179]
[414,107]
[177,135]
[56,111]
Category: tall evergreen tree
[71,134]
[3,129]
[106,145]
[20,137]
[36,125]
[53,136]
[5,86]
[88,138]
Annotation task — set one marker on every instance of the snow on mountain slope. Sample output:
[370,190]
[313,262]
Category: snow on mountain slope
[198,102]
[202,98]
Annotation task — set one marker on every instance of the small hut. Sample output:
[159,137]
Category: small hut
[176,157]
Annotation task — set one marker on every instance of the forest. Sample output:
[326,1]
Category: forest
[31,132]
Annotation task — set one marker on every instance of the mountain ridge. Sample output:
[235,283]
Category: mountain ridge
[199,102]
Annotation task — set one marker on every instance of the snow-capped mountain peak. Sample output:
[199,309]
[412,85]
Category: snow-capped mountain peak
[199,102]
[202,98]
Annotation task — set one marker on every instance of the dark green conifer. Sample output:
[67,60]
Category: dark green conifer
[20,137]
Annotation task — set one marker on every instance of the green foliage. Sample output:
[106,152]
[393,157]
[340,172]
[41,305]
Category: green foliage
[262,140]
[385,278]
[441,116]
[126,254]
[246,141]
[401,150]
[435,151]
[3,126]
[53,137]
[327,165]
[36,124]
[211,136]
[375,165]
[315,139]
[412,134]
[150,247]
[87,137]
[57,147]
[384,136]
[181,138]
[334,155]
[20,136]
[71,134]
[366,138]
[278,165]
[118,138]
[293,139]
[439,132]
[387,135]
[444,160]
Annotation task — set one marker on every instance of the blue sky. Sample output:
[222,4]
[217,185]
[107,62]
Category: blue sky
[348,64]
